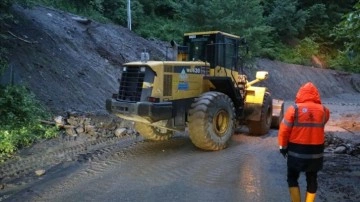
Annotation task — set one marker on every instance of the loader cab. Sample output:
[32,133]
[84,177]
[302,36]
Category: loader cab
[217,48]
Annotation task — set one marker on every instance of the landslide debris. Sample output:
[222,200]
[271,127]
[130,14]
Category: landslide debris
[69,65]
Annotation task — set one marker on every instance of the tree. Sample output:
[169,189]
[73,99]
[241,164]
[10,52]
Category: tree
[323,16]
[349,32]
[287,19]
[159,8]
[241,17]
[160,20]
[116,10]
[5,16]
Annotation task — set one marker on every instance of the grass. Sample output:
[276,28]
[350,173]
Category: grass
[20,115]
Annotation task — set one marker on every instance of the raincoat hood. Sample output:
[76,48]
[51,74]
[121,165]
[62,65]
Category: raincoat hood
[308,93]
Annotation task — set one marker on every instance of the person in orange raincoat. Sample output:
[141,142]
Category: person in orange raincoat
[301,140]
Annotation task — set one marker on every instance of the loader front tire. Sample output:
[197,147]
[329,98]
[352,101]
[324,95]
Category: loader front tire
[262,126]
[153,132]
[211,121]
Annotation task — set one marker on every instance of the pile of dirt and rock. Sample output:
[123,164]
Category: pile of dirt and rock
[336,145]
[94,126]
[68,64]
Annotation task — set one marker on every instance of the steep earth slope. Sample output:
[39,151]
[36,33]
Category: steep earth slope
[68,62]
[71,63]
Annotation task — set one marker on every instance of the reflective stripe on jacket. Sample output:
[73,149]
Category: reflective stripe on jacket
[303,123]
[306,126]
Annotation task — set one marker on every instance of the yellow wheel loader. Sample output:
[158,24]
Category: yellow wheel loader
[202,89]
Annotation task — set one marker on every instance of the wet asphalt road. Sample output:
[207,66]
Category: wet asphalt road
[250,169]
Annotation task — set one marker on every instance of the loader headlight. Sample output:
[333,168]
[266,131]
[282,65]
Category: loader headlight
[142,69]
[124,69]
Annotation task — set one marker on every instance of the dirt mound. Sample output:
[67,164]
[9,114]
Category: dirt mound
[285,79]
[71,63]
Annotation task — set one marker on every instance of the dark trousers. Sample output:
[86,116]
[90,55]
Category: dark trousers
[311,180]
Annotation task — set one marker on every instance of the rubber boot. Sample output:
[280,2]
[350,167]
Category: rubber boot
[295,194]
[310,197]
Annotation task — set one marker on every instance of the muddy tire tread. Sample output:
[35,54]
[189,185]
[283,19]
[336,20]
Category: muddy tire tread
[200,131]
[150,133]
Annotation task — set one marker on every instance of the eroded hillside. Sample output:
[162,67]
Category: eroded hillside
[71,63]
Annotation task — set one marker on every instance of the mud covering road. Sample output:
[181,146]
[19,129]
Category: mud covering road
[131,169]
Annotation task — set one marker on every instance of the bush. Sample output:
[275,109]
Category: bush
[346,61]
[20,116]
[301,54]
[163,29]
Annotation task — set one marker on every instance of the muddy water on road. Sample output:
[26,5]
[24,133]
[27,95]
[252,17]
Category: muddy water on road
[249,170]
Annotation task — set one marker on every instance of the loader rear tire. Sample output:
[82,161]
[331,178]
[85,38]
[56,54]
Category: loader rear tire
[262,126]
[211,121]
[153,132]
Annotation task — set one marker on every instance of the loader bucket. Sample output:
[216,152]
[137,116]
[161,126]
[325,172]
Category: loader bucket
[277,113]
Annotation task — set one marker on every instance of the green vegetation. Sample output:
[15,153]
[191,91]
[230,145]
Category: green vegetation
[286,30]
[20,113]
[301,53]
[20,116]
[348,31]
[4,16]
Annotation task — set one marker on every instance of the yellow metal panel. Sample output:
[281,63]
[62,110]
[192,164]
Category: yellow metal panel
[211,72]
[201,33]
[194,82]
[255,95]
[211,32]
[159,64]
[147,85]
[193,79]
[158,80]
